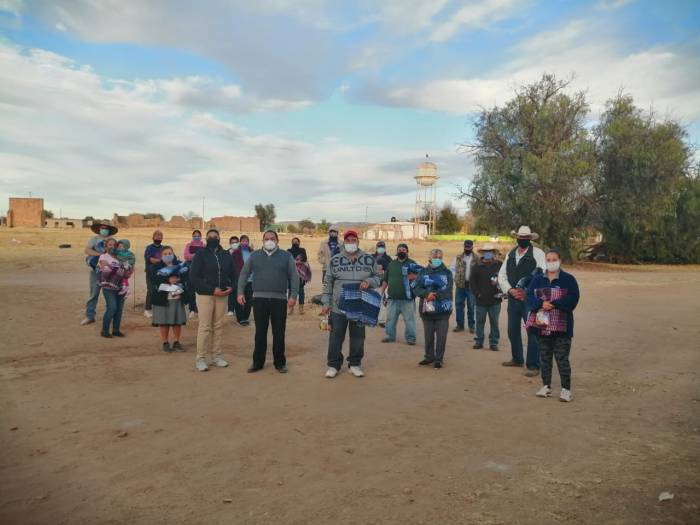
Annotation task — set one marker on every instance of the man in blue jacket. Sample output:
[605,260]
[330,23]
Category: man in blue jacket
[551,299]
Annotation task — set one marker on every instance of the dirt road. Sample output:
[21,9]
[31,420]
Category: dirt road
[114,431]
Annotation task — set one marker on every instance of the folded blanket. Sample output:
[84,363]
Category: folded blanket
[175,269]
[358,305]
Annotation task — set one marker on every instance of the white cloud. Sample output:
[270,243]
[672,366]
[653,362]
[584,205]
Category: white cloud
[475,14]
[95,146]
[612,4]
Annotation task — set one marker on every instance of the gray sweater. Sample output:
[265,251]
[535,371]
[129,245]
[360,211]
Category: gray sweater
[273,274]
[342,270]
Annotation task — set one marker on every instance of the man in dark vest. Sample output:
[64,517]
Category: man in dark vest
[513,278]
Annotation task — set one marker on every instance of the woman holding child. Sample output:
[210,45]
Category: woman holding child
[168,292]
[112,277]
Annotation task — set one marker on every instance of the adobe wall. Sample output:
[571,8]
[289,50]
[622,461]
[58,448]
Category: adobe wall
[25,213]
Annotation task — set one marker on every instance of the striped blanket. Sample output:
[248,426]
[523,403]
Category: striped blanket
[556,319]
[361,306]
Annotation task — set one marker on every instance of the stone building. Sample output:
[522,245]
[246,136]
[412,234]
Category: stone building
[25,212]
[396,231]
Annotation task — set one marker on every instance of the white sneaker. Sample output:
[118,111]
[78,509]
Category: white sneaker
[331,372]
[201,365]
[357,371]
[566,396]
[192,315]
[229,313]
[86,321]
[545,391]
[220,362]
[148,313]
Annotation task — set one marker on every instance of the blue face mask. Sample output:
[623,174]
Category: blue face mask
[488,256]
[381,250]
[436,262]
[197,238]
[168,258]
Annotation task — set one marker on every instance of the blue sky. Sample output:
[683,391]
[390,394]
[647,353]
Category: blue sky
[322,107]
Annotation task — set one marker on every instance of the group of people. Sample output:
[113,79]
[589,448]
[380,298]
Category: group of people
[214,282]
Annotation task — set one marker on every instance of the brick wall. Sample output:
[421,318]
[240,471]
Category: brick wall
[25,213]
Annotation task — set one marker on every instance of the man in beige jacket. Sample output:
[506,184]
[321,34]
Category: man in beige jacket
[328,249]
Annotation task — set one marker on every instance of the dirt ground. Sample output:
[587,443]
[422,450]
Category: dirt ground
[468,444]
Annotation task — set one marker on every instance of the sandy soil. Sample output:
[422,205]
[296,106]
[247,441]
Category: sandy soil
[466,444]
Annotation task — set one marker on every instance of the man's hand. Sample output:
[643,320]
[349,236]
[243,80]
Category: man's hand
[222,293]
[326,310]
[291,302]
[431,296]
[240,299]
[412,276]
[364,285]
[546,305]
[517,293]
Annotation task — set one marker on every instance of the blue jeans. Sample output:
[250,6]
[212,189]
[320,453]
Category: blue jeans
[91,305]
[407,308]
[113,314]
[492,311]
[517,313]
[463,295]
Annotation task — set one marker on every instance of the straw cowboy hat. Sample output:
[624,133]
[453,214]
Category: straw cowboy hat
[97,226]
[524,232]
[488,247]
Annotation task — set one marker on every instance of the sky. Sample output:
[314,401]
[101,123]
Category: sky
[324,108]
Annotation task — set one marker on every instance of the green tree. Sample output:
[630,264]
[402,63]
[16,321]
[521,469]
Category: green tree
[292,228]
[307,225]
[323,226]
[266,214]
[48,214]
[646,198]
[448,220]
[535,164]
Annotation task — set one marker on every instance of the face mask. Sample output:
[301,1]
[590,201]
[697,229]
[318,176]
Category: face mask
[402,256]
[168,258]
[212,242]
[269,245]
[295,244]
[333,236]
[244,244]
[523,243]
[197,238]
[351,248]
[488,256]
[234,245]
[553,266]
[104,232]
[436,262]
[468,251]
[381,251]
[157,241]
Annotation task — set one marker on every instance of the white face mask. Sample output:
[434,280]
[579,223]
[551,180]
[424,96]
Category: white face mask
[269,245]
[234,245]
[351,248]
[553,266]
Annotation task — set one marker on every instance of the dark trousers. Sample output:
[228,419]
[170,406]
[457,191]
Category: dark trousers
[274,312]
[192,299]
[113,313]
[302,295]
[462,296]
[517,313]
[339,326]
[435,334]
[149,293]
[559,347]
[491,311]
[242,312]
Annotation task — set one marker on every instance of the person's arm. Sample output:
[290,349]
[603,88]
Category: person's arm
[474,280]
[186,255]
[540,259]
[418,288]
[245,273]
[293,277]
[89,250]
[503,278]
[320,256]
[197,275]
[327,295]
[533,303]
[569,302]
[447,292]
[375,279]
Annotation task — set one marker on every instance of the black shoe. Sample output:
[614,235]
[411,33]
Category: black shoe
[477,346]
[438,364]
[383,325]
[411,343]
[244,322]
[118,334]
[282,369]
[254,369]
[177,347]
[494,348]
[166,347]
[458,329]
[426,362]
[512,363]
[106,334]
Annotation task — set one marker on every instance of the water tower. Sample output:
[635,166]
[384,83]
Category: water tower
[426,196]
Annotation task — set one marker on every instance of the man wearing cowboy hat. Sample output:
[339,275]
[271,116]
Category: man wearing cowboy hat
[483,283]
[520,264]
[94,248]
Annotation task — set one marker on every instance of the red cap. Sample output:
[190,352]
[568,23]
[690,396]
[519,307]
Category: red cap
[348,233]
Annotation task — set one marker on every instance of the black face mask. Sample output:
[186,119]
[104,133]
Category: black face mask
[468,251]
[295,245]
[402,256]
[212,243]
[523,243]
[157,241]
[333,236]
